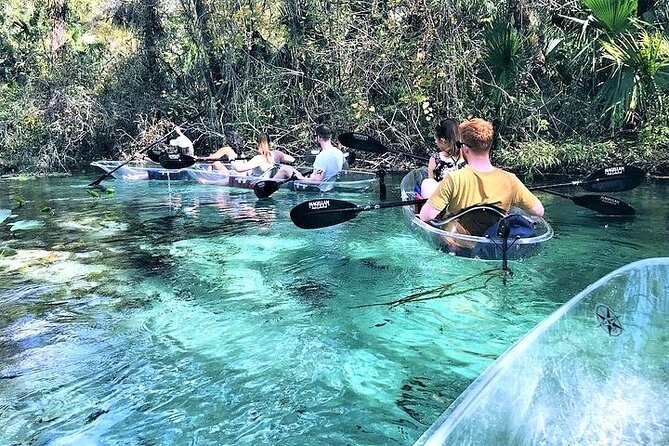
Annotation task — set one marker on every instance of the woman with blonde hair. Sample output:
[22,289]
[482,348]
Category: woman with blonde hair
[265,161]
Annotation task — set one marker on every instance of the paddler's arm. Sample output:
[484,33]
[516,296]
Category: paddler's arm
[537,209]
[428,212]
[528,201]
[284,158]
[438,202]
[316,177]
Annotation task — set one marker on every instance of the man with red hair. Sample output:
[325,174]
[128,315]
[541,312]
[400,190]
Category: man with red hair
[479,182]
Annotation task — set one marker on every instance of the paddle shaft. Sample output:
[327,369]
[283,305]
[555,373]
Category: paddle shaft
[371,207]
[550,186]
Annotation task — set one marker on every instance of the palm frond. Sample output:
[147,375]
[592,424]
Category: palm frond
[613,15]
[503,48]
[647,53]
[618,94]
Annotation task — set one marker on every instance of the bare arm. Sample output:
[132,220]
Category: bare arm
[537,209]
[223,151]
[288,159]
[315,177]
[431,164]
[428,212]
[243,166]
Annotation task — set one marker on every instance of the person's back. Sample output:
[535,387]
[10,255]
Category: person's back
[467,187]
[266,162]
[479,182]
[264,165]
[330,161]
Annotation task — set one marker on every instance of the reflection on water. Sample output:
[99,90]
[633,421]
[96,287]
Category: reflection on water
[188,314]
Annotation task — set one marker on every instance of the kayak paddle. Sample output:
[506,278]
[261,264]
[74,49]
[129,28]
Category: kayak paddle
[181,161]
[265,188]
[601,204]
[324,212]
[366,143]
[608,179]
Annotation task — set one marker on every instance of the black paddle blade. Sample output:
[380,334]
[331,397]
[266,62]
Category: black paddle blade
[614,179]
[154,154]
[323,212]
[604,205]
[265,188]
[176,160]
[363,142]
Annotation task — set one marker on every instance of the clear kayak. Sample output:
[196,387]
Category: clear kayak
[595,372]
[140,170]
[346,181]
[481,247]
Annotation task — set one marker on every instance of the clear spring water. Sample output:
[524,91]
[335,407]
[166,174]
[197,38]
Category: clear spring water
[174,313]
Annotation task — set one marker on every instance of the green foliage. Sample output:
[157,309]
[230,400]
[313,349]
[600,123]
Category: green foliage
[75,84]
[639,60]
[502,53]
[614,16]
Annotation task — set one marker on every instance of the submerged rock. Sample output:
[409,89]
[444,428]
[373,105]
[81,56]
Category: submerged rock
[26,225]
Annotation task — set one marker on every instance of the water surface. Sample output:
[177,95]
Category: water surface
[174,313]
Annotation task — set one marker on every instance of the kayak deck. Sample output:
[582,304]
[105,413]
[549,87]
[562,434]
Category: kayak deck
[592,373]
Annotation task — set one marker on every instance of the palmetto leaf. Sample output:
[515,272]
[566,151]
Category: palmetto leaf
[619,93]
[641,66]
[647,53]
[503,48]
[613,15]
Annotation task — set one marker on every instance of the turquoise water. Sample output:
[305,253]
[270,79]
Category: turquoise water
[174,313]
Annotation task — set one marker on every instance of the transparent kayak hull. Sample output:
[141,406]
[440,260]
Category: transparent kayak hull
[141,170]
[595,372]
[463,245]
[346,181]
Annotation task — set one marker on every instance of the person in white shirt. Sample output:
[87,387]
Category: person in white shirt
[182,141]
[328,163]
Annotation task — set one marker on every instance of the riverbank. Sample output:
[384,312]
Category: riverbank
[530,159]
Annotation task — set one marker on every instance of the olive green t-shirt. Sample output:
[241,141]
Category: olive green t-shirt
[467,187]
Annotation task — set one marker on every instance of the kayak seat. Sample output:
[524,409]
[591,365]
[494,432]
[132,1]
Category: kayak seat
[513,226]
